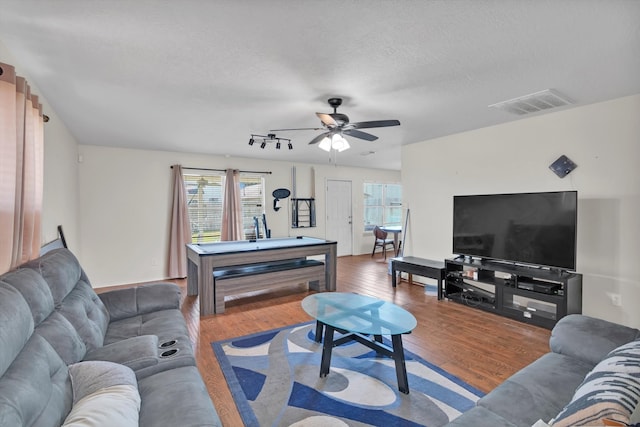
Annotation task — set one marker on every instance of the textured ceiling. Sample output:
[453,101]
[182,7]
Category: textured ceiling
[201,76]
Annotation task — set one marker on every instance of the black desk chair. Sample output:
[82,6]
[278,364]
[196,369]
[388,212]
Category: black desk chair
[382,241]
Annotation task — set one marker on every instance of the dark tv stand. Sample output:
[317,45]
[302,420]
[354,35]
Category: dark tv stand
[535,295]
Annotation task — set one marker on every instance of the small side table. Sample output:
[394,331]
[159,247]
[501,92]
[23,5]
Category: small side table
[420,266]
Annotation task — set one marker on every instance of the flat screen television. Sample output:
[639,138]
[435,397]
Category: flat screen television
[529,228]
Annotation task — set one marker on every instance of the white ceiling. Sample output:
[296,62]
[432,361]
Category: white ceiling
[201,76]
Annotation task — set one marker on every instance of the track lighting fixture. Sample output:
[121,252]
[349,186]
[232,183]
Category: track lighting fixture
[268,139]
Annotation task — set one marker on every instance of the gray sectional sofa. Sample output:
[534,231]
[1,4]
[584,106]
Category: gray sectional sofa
[123,357]
[592,372]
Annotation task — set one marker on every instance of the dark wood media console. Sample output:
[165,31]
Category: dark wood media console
[530,294]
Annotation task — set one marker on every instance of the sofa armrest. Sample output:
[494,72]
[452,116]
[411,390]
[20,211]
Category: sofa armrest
[136,353]
[587,338]
[130,302]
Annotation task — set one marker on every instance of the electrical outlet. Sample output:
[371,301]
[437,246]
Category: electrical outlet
[616,299]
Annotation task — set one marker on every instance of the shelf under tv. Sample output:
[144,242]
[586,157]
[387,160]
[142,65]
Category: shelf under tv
[527,293]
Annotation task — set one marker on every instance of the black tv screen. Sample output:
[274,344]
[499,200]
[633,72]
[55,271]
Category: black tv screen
[528,228]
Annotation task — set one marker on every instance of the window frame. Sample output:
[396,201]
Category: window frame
[208,228]
[386,206]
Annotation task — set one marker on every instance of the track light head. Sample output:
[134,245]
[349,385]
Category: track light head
[290,146]
[264,144]
[251,141]
[278,145]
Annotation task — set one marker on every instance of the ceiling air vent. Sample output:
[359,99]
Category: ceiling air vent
[532,103]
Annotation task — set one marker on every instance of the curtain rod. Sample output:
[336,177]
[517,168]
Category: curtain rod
[224,170]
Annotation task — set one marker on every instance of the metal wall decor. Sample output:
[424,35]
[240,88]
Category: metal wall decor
[562,166]
[279,193]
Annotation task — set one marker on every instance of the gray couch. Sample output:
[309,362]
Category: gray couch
[541,390]
[53,326]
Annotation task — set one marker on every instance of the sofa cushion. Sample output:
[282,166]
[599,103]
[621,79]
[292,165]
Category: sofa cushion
[610,391]
[60,269]
[166,324]
[34,290]
[182,390]
[85,311]
[36,389]
[63,337]
[589,339]
[130,302]
[538,391]
[16,325]
[480,417]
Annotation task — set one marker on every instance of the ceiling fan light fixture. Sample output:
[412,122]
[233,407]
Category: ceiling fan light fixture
[338,143]
[345,145]
[325,144]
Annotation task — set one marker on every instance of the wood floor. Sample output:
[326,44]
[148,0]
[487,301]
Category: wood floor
[478,347]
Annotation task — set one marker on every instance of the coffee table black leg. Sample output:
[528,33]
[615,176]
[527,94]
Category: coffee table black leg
[327,347]
[319,326]
[378,338]
[401,368]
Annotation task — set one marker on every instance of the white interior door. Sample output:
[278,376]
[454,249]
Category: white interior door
[339,219]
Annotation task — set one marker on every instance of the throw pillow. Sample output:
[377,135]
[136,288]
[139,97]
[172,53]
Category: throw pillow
[611,391]
[118,405]
[104,394]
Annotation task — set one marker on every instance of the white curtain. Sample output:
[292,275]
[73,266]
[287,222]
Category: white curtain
[180,234]
[231,208]
[21,170]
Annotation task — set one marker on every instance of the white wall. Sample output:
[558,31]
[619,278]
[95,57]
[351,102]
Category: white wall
[125,200]
[60,199]
[603,139]
[60,202]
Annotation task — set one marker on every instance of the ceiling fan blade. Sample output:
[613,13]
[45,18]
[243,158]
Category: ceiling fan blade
[361,135]
[283,130]
[327,119]
[319,138]
[375,124]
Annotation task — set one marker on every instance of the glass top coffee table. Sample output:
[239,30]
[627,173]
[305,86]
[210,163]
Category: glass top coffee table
[359,317]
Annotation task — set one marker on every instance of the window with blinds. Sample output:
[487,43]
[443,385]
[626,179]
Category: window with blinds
[205,195]
[382,205]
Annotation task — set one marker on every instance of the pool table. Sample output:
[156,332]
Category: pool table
[203,258]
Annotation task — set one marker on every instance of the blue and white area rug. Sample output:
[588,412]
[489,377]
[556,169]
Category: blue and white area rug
[274,378]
